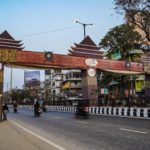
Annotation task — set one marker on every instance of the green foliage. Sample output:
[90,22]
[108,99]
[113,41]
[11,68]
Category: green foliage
[14,95]
[20,95]
[133,8]
[106,79]
[120,38]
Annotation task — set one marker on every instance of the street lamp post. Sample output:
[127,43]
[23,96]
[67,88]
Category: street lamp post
[1,88]
[84,25]
[7,91]
[11,74]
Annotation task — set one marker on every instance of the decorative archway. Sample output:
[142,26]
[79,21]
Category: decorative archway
[11,54]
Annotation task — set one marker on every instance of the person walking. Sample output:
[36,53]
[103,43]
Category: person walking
[5,111]
[15,105]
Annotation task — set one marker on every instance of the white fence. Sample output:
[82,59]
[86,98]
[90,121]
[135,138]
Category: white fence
[113,111]
[110,111]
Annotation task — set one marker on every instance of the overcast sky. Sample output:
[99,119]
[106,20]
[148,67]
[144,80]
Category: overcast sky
[48,25]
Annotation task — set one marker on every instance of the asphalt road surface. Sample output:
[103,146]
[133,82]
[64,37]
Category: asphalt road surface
[62,131]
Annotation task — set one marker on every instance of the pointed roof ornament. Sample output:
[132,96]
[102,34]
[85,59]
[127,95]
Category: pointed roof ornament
[86,48]
[88,41]
[8,42]
[6,35]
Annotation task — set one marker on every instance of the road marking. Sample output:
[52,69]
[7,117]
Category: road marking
[38,136]
[82,122]
[133,131]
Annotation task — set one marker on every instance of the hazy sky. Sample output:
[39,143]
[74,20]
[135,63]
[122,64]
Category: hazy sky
[24,19]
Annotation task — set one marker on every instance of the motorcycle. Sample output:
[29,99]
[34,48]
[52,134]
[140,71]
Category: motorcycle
[44,107]
[37,112]
[15,110]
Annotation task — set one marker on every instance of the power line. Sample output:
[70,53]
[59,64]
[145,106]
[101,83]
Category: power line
[45,32]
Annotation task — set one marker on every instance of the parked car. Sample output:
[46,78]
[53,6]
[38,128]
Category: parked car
[82,109]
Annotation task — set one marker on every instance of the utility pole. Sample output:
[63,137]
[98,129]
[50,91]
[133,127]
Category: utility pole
[84,26]
[1,88]
[7,92]
[11,79]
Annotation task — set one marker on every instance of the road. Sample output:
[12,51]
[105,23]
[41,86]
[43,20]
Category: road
[59,130]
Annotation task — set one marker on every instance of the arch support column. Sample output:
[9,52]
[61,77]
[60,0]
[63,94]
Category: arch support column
[89,86]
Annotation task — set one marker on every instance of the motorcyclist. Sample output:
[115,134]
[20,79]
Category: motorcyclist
[44,106]
[37,109]
[5,111]
[15,106]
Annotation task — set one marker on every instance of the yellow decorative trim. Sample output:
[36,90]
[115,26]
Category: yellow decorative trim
[8,55]
[1,76]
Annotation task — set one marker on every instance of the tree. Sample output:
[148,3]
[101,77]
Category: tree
[14,95]
[120,38]
[19,95]
[26,94]
[137,13]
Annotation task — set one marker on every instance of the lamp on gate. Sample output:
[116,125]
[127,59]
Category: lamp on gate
[48,56]
[127,64]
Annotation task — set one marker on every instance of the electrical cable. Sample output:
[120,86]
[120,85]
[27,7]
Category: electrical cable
[45,32]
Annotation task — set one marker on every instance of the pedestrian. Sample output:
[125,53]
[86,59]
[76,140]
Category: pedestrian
[5,111]
[15,105]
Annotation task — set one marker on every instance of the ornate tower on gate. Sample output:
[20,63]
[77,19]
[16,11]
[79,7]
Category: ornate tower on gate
[8,42]
[87,48]
[8,48]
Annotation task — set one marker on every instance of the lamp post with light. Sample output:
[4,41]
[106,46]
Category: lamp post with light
[84,25]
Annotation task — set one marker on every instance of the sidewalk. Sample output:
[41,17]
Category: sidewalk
[14,138]
[11,139]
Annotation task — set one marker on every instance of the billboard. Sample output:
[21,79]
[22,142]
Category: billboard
[32,78]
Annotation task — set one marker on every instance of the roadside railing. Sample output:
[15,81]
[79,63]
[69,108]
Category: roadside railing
[107,111]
